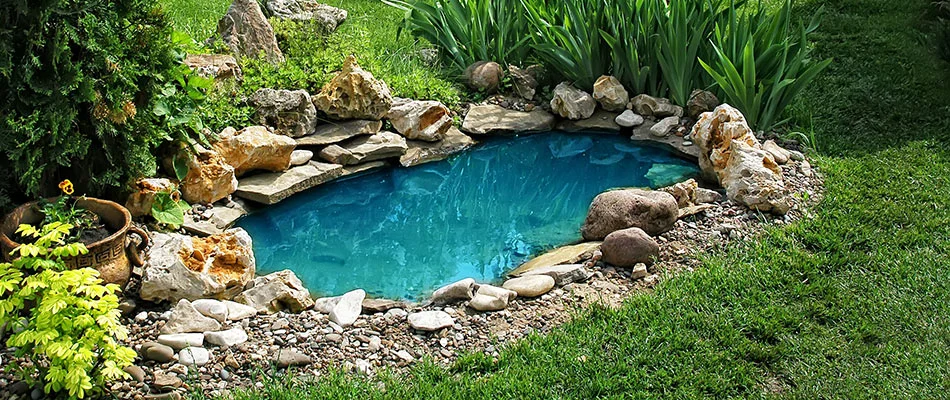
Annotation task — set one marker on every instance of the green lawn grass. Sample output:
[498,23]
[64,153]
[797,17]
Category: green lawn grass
[853,303]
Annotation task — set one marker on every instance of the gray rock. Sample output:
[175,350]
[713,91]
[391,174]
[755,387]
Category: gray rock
[292,358]
[531,285]
[182,340]
[230,337]
[212,309]
[429,321]
[525,80]
[300,157]
[194,356]
[185,319]
[245,30]
[420,120]
[601,120]
[706,196]
[649,106]
[327,17]
[629,247]
[484,76]
[562,274]
[493,119]
[662,128]
[290,112]
[219,220]
[238,311]
[363,149]
[701,101]
[419,152]
[275,292]
[653,211]
[796,155]
[272,188]
[572,103]
[335,132]
[610,93]
[354,94]
[454,292]
[629,119]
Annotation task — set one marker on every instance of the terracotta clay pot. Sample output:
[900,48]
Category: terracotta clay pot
[113,256]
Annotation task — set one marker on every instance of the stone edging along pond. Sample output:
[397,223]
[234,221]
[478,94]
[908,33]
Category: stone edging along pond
[217,344]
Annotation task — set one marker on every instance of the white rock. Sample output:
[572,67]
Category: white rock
[230,337]
[300,157]
[455,292]
[405,356]
[430,320]
[238,311]
[663,127]
[530,286]
[212,309]
[496,292]
[185,318]
[572,103]
[483,302]
[348,308]
[629,119]
[141,317]
[639,271]
[196,356]
[181,340]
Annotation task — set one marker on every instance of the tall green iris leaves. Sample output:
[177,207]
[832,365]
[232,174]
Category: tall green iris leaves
[567,38]
[467,31]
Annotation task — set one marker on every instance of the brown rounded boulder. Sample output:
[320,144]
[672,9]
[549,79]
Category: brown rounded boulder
[629,247]
[652,211]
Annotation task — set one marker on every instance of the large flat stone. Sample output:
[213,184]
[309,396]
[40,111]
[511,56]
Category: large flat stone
[642,134]
[420,152]
[271,188]
[335,132]
[221,219]
[492,119]
[360,168]
[364,149]
[561,255]
[601,121]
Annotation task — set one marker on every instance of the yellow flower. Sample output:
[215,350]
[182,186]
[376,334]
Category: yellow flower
[66,186]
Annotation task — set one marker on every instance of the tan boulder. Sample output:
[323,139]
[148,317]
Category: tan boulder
[609,92]
[209,178]
[354,94]
[730,153]
[140,202]
[572,103]
[420,120]
[484,76]
[254,148]
[653,211]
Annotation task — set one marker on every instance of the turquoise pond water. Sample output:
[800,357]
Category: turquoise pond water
[400,233]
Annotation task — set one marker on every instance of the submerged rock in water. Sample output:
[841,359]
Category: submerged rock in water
[661,175]
[653,211]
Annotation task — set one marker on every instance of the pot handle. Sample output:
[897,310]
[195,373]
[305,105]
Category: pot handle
[136,252]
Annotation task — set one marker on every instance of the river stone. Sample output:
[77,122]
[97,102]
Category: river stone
[562,274]
[300,157]
[158,352]
[629,247]
[136,372]
[346,309]
[420,152]
[610,93]
[185,319]
[730,154]
[181,340]
[335,132]
[165,382]
[572,103]
[212,309]
[272,188]
[483,302]
[194,356]
[209,178]
[245,30]
[780,154]
[531,285]
[639,271]
[420,120]
[429,321]
[649,106]
[367,148]
[327,17]
[525,81]
[292,358]
[238,311]
[228,338]
[354,94]
[214,66]
[663,127]
[604,121]
[496,292]
[371,306]
[141,200]
[493,119]
[277,291]
[701,101]
[185,267]
[290,112]
[653,211]
[484,76]
[629,119]
[254,148]
[454,292]
[561,255]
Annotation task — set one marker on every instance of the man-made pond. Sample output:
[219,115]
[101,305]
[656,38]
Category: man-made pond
[400,233]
